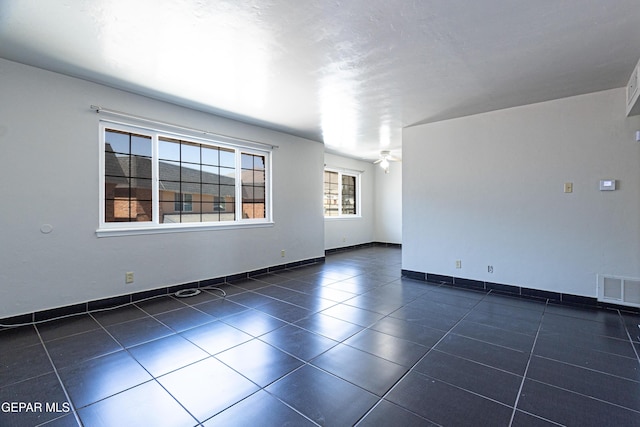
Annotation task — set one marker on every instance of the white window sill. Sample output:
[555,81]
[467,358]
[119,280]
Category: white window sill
[343,217]
[177,228]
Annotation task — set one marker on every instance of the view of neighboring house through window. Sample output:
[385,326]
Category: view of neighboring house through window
[331,194]
[348,195]
[127,177]
[196,182]
[253,186]
[340,194]
[192,176]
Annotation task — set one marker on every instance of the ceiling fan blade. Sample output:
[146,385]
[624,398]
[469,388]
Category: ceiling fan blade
[377,161]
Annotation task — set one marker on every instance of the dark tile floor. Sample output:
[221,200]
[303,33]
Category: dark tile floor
[341,343]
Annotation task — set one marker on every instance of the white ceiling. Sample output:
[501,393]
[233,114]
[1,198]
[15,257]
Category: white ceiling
[351,74]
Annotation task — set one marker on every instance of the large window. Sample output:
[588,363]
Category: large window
[341,193]
[154,179]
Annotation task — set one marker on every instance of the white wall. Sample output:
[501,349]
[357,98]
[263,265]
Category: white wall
[342,232]
[488,190]
[388,204]
[49,166]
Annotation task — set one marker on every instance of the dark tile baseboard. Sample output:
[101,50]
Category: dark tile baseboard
[516,291]
[362,245]
[111,302]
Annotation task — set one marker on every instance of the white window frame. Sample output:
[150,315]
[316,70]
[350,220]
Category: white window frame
[358,177]
[106,229]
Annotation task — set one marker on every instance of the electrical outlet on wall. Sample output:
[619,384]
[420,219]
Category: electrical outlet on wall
[128,277]
[568,187]
[458,263]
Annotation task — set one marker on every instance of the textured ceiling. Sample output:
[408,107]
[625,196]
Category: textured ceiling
[350,74]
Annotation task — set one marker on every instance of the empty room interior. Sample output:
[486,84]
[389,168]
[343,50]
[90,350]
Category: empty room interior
[322,213]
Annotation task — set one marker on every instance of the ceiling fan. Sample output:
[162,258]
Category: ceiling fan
[385,158]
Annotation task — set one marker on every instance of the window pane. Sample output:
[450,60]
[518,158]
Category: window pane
[187,202]
[247,193]
[220,204]
[210,174]
[169,171]
[227,158]
[190,187]
[190,173]
[142,188]
[209,213]
[115,164]
[117,142]
[259,210]
[253,190]
[141,145]
[246,161]
[348,195]
[258,177]
[227,176]
[330,177]
[168,149]
[258,194]
[128,191]
[209,191]
[247,177]
[167,196]
[209,155]
[228,191]
[190,153]
[258,162]
[330,210]
[330,193]
[349,180]
[140,167]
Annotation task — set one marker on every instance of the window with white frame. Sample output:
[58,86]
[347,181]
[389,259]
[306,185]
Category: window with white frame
[155,179]
[341,193]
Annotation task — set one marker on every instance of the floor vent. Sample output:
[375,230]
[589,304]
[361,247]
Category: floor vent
[619,290]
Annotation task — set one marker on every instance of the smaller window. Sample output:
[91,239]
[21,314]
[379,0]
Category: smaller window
[341,194]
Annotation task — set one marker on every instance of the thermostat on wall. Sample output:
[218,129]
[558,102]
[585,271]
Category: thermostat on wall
[607,184]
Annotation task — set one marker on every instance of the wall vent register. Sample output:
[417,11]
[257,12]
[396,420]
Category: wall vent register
[619,290]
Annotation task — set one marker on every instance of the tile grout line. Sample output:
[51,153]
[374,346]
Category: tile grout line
[253,337]
[538,417]
[633,347]
[55,371]
[218,319]
[153,377]
[411,369]
[526,369]
[308,362]
[586,368]
[583,395]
